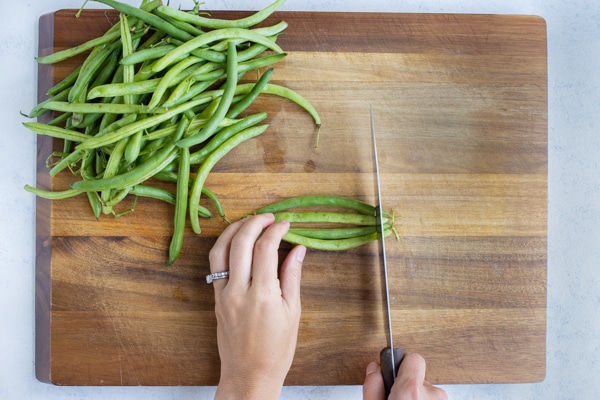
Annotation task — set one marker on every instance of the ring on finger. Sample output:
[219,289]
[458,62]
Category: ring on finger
[216,275]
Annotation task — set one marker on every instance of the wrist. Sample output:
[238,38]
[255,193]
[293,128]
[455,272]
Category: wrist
[241,389]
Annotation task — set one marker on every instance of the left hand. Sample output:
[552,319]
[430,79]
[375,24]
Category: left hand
[258,314]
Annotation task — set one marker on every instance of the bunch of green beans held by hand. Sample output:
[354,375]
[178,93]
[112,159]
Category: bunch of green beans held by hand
[331,223]
[160,97]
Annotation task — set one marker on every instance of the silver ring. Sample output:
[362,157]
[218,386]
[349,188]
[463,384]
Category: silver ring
[216,275]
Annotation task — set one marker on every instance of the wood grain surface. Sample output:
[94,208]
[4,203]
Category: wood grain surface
[460,105]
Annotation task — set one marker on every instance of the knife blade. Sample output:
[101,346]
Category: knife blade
[389,359]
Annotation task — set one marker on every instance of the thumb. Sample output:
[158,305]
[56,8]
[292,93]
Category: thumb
[291,273]
[373,388]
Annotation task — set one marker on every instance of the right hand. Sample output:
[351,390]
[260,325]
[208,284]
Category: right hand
[410,383]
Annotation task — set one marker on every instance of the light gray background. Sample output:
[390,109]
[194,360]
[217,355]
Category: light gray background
[573,344]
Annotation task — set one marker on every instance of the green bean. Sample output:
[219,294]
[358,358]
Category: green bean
[149,18]
[126,120]
[184,26]
[209,163]
[55,131]
[151,53]
[115,198]
[106,73]
[141,125]
[194,92]
[205,53]
[213,36]
[172,177]
[60,119]
[272,89]
[335,233]
[66,83]
[224,103]
[87,164]
[252,51]
[141,173]
[127,49]
[184,86]
[67,161]
[133,177]
[104,108]
[214,23]
[145,123]
[68,53]
[134,145]
[154,40]
[319,201]
[154,192]
[271,31]
[226,133]
[108,119]
[164,195]
[294,96]
[327,217]
[111,169]
[180,204]
[333,244]
[77,117]
[122,89]
[168,79]
[245,102]
[40,109]
[89,67]
[95,204]
[53,195]
[243,67]
[216,202]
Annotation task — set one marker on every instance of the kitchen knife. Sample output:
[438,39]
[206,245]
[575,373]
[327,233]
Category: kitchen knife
[389,359]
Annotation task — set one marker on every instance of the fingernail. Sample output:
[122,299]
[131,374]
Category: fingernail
[372,368]
[300,253]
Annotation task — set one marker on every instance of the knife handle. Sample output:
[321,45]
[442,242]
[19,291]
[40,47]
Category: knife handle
[385,357]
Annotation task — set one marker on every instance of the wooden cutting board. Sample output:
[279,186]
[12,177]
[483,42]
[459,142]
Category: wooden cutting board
[460,105]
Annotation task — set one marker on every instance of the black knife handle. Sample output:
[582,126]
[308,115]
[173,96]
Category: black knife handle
[385,358]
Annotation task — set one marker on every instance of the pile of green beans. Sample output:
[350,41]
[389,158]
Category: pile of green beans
[331,223]
[159,97]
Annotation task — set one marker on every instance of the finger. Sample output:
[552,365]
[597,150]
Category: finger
[265,257]
[242,248]
[435,393]
[373,388]
[219,254]
[412,368]
[291,274]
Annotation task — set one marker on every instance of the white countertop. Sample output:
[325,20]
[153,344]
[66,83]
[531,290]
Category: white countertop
[573,336]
